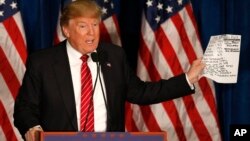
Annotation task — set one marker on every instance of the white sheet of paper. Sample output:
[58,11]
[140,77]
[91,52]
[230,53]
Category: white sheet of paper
[222,58]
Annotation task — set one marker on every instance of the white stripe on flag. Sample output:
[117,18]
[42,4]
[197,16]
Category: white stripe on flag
[163,120]
[17,18]
[185,120]
[174,39]
[141,70]
[193,38]
[8,103]
[2,135]
[140,123]
[149,39]
[112,30]
[11,53]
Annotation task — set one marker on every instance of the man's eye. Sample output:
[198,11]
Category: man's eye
[95,24]
[82,26]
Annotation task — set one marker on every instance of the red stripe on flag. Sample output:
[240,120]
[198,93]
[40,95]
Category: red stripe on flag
[149,119]
[16,37]
[196,120]
[8,74]
[6,125]
[129,122]
[209,97]
[191,15]
[116,24]
[104,33]
[172,59]
[168,51]
[184,37]
[147,60]
[171,111]
[56,39]
[203,82]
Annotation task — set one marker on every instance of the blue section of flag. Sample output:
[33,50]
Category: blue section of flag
[7,9]
[110,6]
[158,11]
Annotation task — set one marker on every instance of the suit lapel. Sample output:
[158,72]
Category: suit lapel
[64,80]
[106,69]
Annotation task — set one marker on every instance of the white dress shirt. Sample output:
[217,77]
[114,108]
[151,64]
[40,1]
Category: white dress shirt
[100,112]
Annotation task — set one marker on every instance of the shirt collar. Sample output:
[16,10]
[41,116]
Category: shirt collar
[74,54]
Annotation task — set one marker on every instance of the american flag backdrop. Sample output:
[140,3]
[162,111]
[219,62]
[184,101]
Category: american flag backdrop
[110,31]
[169,44]
[13,55]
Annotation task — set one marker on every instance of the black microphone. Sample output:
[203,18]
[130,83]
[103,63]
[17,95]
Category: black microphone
[94,57]
[101,58]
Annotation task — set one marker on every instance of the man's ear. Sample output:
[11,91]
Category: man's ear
[65,31]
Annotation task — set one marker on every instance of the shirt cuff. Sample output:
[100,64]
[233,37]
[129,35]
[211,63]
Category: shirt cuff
[190,85]
[36,127]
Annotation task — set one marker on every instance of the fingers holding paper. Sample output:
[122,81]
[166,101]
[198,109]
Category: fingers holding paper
[195,70]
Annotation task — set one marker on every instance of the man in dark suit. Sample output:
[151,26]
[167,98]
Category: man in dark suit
[49,98]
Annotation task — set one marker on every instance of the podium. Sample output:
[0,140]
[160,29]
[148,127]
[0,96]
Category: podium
[103,136]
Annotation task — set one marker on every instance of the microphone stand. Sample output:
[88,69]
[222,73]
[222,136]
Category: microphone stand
[96,58]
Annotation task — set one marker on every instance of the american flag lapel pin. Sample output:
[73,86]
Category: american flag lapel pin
[108,64]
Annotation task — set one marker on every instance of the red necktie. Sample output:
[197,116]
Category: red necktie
[87,108]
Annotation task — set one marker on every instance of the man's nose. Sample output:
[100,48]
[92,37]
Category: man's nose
[91,30]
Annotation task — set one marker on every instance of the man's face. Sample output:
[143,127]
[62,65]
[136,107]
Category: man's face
[83,34]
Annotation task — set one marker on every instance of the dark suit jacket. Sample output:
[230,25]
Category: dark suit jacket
[46,96]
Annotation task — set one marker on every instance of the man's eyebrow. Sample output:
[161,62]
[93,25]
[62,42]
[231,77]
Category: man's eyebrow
[80,22]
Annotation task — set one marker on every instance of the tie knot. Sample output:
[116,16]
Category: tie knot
[85,58]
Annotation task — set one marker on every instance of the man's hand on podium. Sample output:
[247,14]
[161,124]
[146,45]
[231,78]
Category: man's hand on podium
[33,133]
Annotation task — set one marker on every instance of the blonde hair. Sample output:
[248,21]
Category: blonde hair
[80,8]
